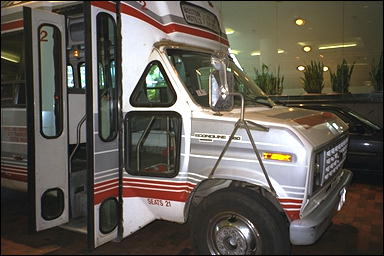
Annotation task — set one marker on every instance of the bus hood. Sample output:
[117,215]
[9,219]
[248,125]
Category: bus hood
[317,127]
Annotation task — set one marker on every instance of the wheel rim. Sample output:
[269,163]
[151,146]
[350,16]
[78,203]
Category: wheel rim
[230,233]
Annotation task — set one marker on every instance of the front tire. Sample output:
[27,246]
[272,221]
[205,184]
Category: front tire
[234,222]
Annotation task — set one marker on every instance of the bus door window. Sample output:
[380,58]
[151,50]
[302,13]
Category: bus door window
[51,105]
[107,90]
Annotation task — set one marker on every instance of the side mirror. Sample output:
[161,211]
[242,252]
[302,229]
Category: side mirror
[221,83]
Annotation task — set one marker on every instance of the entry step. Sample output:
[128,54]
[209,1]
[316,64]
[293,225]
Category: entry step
[78,225]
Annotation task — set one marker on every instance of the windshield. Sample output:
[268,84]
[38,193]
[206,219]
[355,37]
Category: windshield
[365,121]
[194,69]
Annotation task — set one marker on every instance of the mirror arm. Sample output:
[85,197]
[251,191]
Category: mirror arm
[257,126]
[241,123]
[242,104]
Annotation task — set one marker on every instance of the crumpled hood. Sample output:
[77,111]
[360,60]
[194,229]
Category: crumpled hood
[317,127]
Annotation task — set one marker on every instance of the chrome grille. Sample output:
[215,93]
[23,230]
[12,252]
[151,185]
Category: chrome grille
[333,158]
[328,161]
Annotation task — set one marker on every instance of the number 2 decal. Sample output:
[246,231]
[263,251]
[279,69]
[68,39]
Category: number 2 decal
[43,36]
[143,5]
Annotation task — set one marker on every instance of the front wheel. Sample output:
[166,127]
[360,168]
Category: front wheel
[235,223]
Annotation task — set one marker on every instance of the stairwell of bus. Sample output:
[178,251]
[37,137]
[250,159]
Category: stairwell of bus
[77,155]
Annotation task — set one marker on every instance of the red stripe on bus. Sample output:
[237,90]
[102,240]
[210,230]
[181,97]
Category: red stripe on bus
[104,5]
[17,177]
[289,200]
[196,32]
[151,192]
[289,206]
[159,188]
[12,25]
[14,167]
[293,215]
[177,183]
[148,193]
[14,171]
[98,185]
[100,197]
[106,187]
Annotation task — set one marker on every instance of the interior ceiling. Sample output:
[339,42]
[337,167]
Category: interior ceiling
[327,22]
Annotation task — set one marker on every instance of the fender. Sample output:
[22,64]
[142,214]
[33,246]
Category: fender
[209,186]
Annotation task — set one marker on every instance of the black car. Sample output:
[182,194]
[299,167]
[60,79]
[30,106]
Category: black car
[365,151]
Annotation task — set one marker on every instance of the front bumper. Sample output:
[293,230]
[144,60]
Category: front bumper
[307,230]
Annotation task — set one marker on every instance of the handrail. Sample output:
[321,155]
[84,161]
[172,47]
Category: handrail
[140,142]
[78,141]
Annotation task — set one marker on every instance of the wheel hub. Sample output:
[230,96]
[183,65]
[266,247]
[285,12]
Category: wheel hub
[233,234]
[230,241]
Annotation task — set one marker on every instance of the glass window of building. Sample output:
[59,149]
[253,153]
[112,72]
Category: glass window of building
[289,43]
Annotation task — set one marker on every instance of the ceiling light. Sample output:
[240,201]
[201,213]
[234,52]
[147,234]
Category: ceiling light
[299,21]
[325,68]
[301,68]
[10,57]
[307,48]
[233,51]
[280,51]
[236,61]
[229,31]
[76,53]
[333,46]
[255,53]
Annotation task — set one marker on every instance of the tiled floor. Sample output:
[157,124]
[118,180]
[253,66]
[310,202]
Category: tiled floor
[357,229]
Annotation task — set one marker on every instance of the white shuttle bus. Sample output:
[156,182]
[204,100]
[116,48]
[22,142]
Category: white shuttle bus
[115,114]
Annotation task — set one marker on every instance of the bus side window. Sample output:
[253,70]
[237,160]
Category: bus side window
[12,70]
[21,95]
[70,81]
[153,143]
[7,95]
[82,75]
[153,89]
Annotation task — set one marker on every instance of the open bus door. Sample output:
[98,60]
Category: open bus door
[103,108]
[45,58]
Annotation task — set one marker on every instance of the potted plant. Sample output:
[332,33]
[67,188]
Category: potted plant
[376,75]
[313,79]
[268,82]
[340,79]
